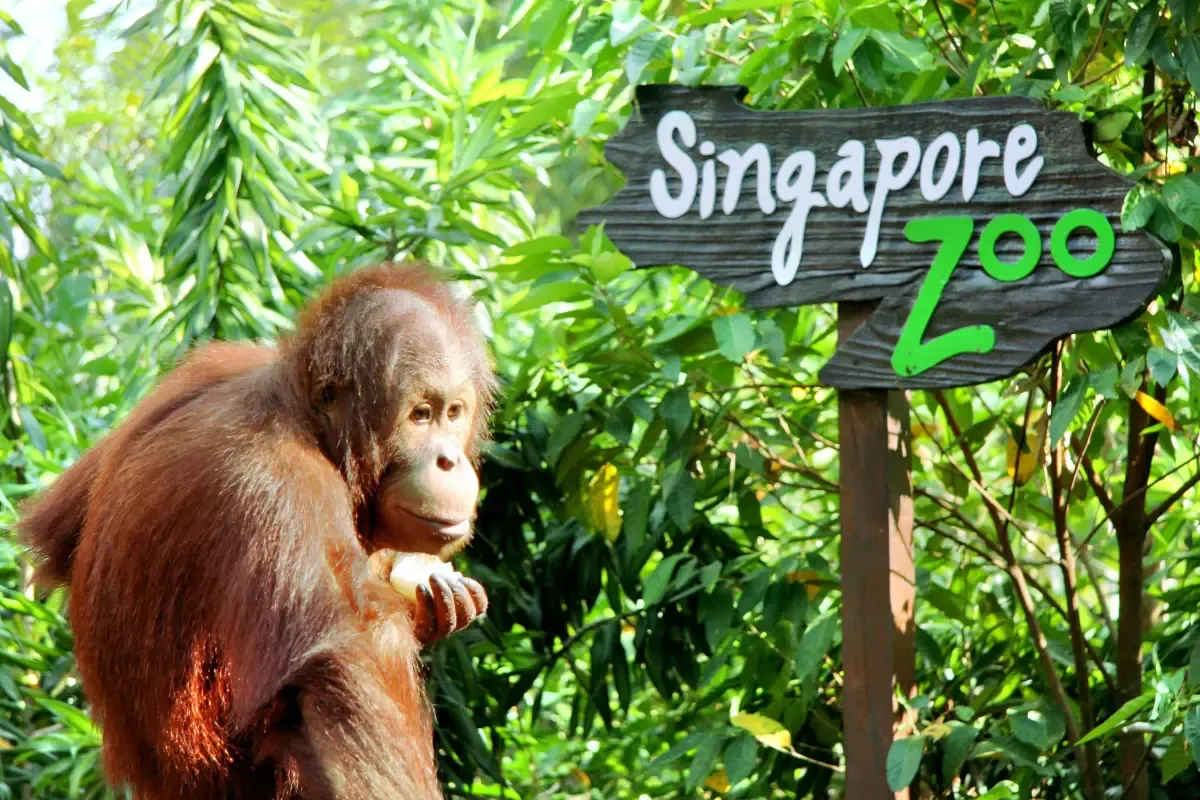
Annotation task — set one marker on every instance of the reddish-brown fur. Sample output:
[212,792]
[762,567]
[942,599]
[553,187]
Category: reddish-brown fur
[232,633]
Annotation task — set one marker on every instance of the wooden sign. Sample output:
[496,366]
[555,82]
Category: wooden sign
[982,226]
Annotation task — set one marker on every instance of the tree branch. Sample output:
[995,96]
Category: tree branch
[1096,46]
[949,35]
[1165,505]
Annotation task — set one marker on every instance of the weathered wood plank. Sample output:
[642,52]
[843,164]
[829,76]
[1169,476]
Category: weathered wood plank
[736,249]
[868,627]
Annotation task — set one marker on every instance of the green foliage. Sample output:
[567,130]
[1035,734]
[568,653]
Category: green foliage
[683,640]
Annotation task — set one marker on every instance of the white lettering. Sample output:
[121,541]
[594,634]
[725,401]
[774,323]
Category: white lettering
[789,244]
[1021,144]
[977,151]
[887,180]
[936,191]
[738,163]
[672,207]
[900,160]
[845,182]
[708,181]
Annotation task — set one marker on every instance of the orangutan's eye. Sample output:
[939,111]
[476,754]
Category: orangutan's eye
[455,411]
[421,414]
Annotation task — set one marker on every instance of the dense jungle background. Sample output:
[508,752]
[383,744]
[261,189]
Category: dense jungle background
[659,536]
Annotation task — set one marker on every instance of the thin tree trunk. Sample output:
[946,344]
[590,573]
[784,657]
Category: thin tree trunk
[1131,526]
[1089,764]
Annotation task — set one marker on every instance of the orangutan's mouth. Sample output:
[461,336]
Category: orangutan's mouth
[445,530]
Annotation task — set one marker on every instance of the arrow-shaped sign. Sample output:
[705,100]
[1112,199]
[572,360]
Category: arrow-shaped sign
[982,226]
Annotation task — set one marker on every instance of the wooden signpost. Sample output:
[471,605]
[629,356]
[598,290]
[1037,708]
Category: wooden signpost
[960,240]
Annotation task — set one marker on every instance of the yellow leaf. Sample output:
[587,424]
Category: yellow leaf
[603,508]
[718,781]
[582,777]
[937,730]
[925,431]
[799,392]
[765,730]
[1031,455]
[1029,462]
[810,579]
[1157,410]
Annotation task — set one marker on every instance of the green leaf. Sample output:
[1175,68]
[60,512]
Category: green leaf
[674,752]
[1131,376]
[1191,730]
[8,20]
[555,292]
[32,428]
[703,761]
[1193,674]
[551,108]
[681,502]
[1184,11]
[815,643]
[1162,363]
[36,237]
[650,46]
[1189,58]
[1112,125]
[32,159]
[726,10]
[1104,381]
[627,22]
[1165,225]
[1141,31]
[14,71]
[1067,407]
[636,514]
[1123,714]
[565,431]
[903,761]
[538,246]
[608,265]
[735,336]
[716,610]
[584,116]
[349,190]
[676,410]
[655,586]
[1176,759]
[957,748]
[845,46]
[6,323]
[71,716]
[740,755]
[909,52]
[1139,207]
[1181,193]
[1037,729]
[771,341]
[1062,22]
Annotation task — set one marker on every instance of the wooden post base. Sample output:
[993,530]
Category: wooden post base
[878,635]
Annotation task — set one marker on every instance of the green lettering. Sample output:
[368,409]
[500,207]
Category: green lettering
[912,356]
[1009,223]
[1105,241]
